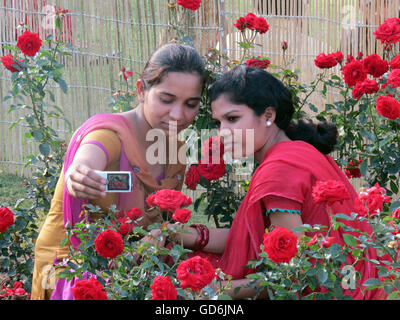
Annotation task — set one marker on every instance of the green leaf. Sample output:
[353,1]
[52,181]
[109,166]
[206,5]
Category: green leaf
[63,85]
[349,240]
[394,206]
[372,282]
[393,187]
[44,149]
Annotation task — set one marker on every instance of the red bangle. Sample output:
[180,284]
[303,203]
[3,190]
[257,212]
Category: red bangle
[202,237]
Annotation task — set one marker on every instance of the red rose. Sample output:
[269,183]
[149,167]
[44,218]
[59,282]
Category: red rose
[258,63]
[370,202]
[29,43]
[162,288]
[395,62]
[10,63]
[338,56]
[349,59]
[195,273]
[250,17]
[181,215]
[388,107]
[327,242]
[284,45]
[319,238]
[134,213]
[212,147]
[366,87]
[394,78]
[192,177]
[389,31]
[324,61]
[354,72]
[329,191]
[189,4]
[125,227]
[211,171]
[375,65]
[352,170]
[109,244]
[6,219]
[167,199]
[260,25]
[240,23]
[396,213]
[89,290]
[280,244]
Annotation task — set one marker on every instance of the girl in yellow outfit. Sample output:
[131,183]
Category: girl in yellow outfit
[169,92]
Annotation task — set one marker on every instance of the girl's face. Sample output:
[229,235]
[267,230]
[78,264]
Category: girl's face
[173,104]
[242,131]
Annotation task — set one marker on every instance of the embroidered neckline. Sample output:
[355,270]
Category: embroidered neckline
[282,210]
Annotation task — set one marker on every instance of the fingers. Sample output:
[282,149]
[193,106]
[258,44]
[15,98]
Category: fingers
[83,182]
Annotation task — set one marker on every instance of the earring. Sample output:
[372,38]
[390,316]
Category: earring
[142,99]
[268,123]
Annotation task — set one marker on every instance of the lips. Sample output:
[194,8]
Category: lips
[172,127]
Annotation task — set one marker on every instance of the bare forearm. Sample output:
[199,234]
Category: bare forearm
[216,243]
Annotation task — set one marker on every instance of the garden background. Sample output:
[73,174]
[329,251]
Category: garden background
[108,35]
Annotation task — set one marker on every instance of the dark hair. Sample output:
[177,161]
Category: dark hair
[258,89]
[172,57]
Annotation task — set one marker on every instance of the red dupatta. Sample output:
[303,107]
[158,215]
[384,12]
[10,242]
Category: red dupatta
[289,170]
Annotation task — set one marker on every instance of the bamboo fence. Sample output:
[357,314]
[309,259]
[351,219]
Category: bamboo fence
[107,35]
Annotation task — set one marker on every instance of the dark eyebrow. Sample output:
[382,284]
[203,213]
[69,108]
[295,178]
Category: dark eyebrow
[173,96]
[226,114]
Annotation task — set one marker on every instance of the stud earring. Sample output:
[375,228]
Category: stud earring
[268,123]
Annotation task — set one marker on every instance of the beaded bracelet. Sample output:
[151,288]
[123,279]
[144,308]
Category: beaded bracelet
[202,237]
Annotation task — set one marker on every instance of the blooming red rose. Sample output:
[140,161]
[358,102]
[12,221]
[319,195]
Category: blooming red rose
[10,63]
[168,200]
[395,62]
[389,31]
[89,290]
[375,65]
[189,4]
[367,86]
[162,288]
[6,219]
[394,78]
[250,17]
[211,170]
[181,215]
[240,23]
[326,242]
[388,107]
[212,147]
[280,244]
[125,226]
[258,63]
[354,72]
[396,213]
[352,170]
[29,43]
[370,201]
[260,25]
[109,244]
[195,273]
[325,61]
[192,177]
[329,191]
[134,213]
[349,58]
